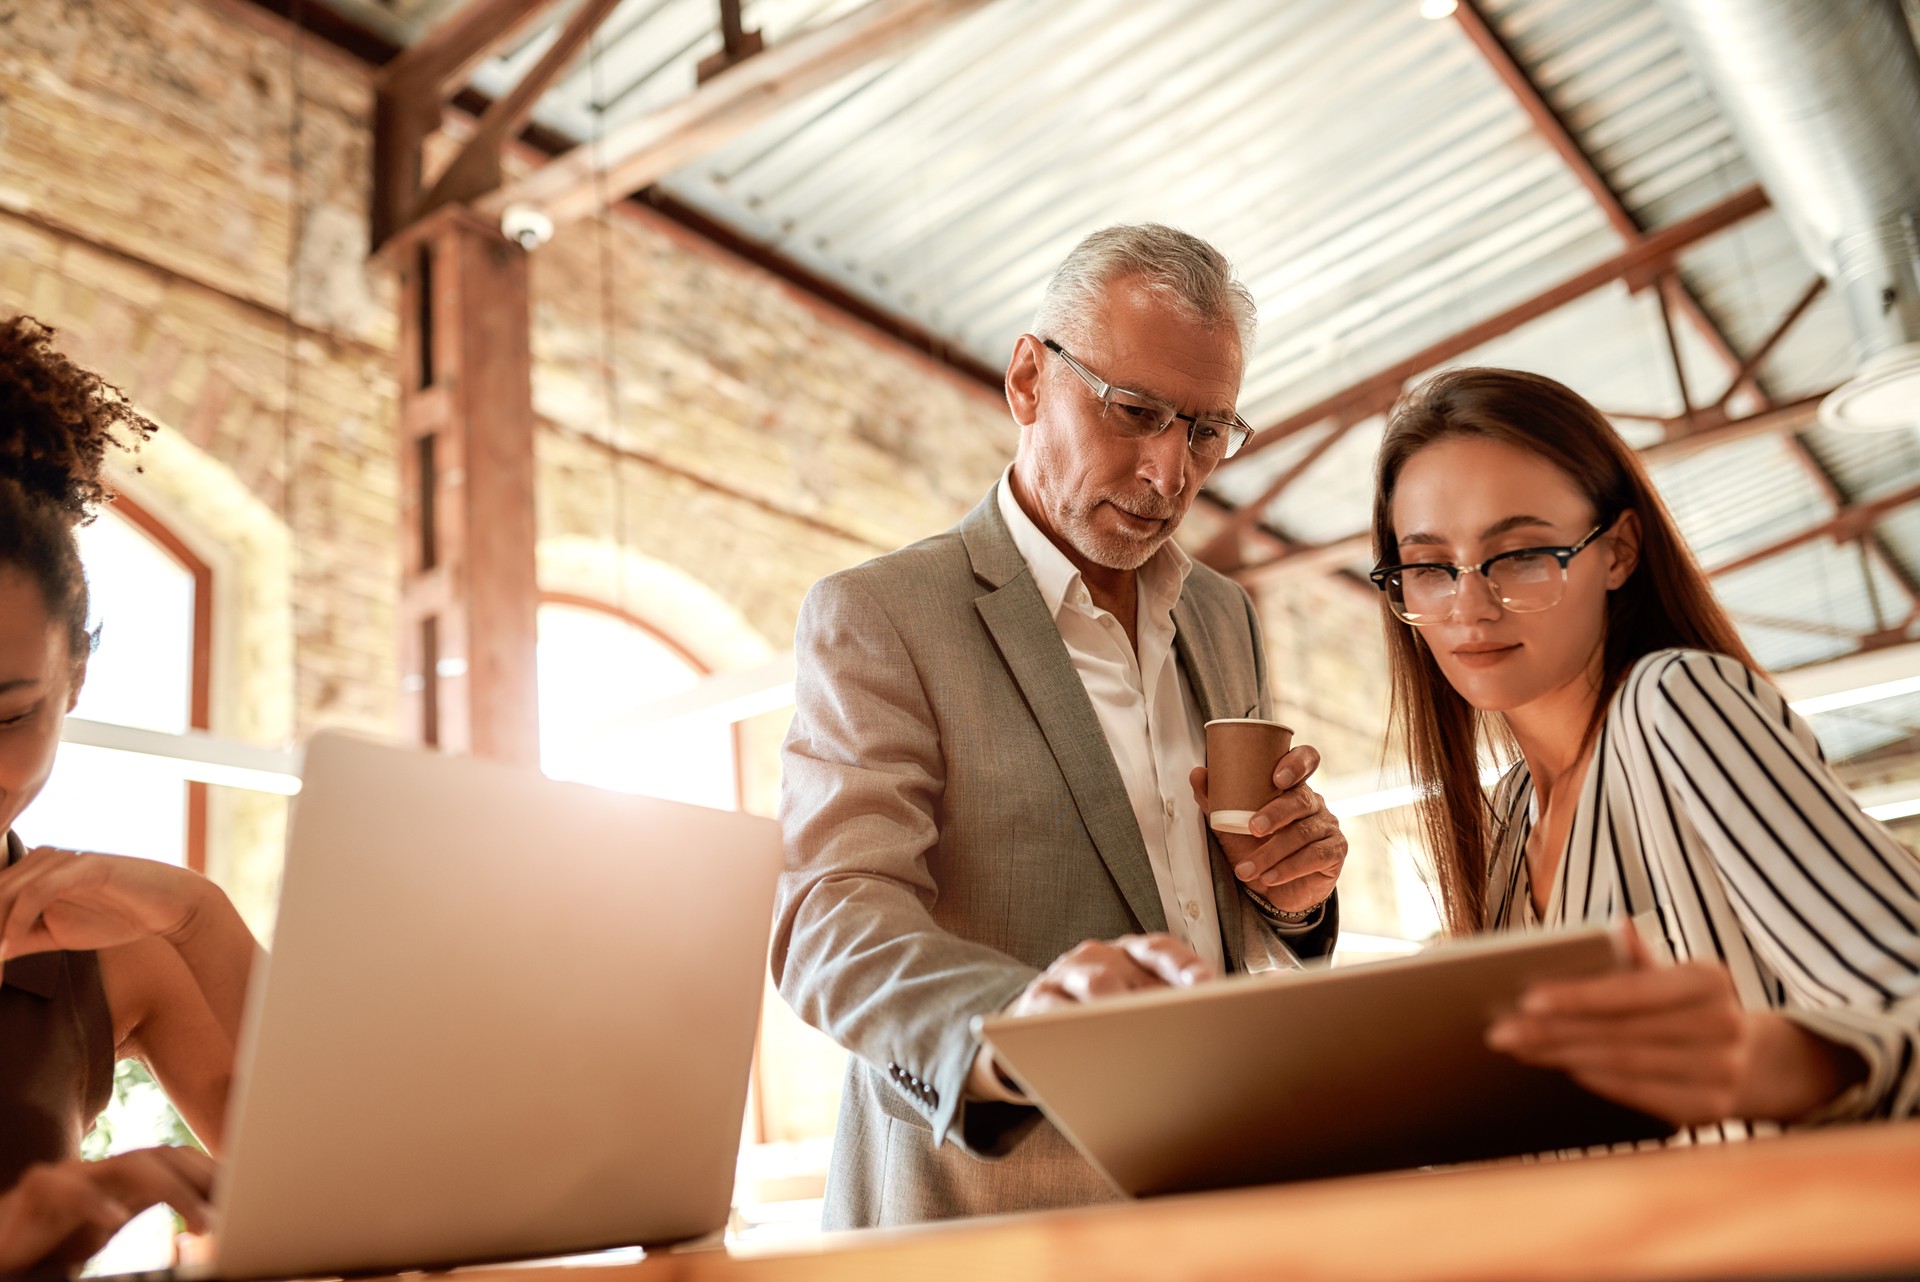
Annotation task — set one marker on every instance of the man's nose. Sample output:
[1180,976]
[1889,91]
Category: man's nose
[1164,458]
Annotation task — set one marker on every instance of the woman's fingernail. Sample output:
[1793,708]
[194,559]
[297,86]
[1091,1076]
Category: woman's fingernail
[1503,1036]
[1536,1003]
[1243,871]
[1261,825]
[1286,779]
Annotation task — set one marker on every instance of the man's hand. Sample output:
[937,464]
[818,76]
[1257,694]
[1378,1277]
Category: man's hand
[1101,968]
[1674,1041]
[1093,969]
[1294,857]
[62,1212]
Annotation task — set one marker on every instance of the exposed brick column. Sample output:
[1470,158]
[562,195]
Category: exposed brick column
[469,594]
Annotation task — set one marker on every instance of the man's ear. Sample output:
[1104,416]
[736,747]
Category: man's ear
[1624,540]
[1023,380]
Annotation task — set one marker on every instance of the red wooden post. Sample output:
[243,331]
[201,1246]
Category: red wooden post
[469,593]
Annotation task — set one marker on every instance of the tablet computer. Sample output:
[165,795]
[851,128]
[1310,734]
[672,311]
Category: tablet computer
[1307,1074]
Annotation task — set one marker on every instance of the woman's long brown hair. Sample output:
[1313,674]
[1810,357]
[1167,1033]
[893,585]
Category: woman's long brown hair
[1665,602]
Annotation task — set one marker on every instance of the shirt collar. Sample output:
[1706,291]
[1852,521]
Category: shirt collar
[1162,578]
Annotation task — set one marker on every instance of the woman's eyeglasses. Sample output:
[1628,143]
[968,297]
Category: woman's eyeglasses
[1525,581]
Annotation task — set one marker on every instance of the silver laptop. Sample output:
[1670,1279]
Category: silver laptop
[504,1017]
[1308,1074]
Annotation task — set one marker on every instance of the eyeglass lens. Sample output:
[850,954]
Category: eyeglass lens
[1138,418]
[1529,582]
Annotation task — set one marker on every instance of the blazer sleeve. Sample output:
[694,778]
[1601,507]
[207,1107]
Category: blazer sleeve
[856,949]
[1828,897]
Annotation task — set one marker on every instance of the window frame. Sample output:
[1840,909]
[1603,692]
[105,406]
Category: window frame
[692,660]
[200,688]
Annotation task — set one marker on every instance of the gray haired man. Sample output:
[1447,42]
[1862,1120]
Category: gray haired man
[992,794]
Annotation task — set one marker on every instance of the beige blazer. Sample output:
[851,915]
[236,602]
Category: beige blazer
[954,821]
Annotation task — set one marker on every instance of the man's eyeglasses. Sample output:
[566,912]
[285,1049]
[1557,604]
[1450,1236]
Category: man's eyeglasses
[1525,581]
[1137,416]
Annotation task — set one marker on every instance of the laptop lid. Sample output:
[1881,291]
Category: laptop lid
[504,1016]
[1308,1074]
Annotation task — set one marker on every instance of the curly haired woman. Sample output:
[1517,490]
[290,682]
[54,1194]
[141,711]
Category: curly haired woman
[101,957]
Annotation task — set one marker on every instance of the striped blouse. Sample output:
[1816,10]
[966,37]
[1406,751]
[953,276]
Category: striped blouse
[1710,818]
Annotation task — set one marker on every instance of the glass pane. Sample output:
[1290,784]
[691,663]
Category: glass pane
[115,802]
[141,675]
[142,672]
[596,670]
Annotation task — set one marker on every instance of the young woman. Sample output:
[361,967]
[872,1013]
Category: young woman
[101,957]
[1542,601]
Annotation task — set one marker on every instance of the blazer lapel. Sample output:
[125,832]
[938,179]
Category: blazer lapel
[1029,642]
[1193,641]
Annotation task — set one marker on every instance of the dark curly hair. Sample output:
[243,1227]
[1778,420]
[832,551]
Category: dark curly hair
[56,424]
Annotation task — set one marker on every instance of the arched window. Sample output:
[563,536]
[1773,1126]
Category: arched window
[151,600]
[598,669]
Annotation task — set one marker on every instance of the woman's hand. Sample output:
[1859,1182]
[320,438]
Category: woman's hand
[1674,1041]
[59,899]
[175,960]
[62,1212]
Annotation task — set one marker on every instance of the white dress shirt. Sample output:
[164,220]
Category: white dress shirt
[1147,712]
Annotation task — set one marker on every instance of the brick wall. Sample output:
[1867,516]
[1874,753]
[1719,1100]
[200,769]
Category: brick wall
[760,443]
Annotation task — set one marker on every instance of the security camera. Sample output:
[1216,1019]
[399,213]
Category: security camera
[526,226]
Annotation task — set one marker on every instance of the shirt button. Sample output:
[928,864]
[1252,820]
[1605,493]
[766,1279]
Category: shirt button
[1193,910]
[1170,809]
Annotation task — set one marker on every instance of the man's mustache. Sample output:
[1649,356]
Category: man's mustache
[1149,510]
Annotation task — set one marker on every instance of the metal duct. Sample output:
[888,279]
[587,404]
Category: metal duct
[1824,95]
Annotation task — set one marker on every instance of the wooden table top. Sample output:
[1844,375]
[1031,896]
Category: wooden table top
[1843,1200]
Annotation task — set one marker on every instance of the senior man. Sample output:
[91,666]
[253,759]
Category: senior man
[992,792]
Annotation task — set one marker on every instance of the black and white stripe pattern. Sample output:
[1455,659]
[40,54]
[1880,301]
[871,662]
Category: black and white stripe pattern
[1710,818]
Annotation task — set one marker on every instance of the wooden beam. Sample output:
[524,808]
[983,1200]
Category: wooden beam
[1847,523]
[1712,427]
[728,105]
[1318,557]
[1559,135]
[442,60]
[1666,291]
[1223,552]
[737,44]
[1759,354]
[410,93]
[1656,250]
[476,170]
[401,127]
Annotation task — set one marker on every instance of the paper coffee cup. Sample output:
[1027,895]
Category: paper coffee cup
[1241,755]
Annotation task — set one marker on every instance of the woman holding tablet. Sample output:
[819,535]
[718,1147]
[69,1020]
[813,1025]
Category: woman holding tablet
[1541,600]
[101,957]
